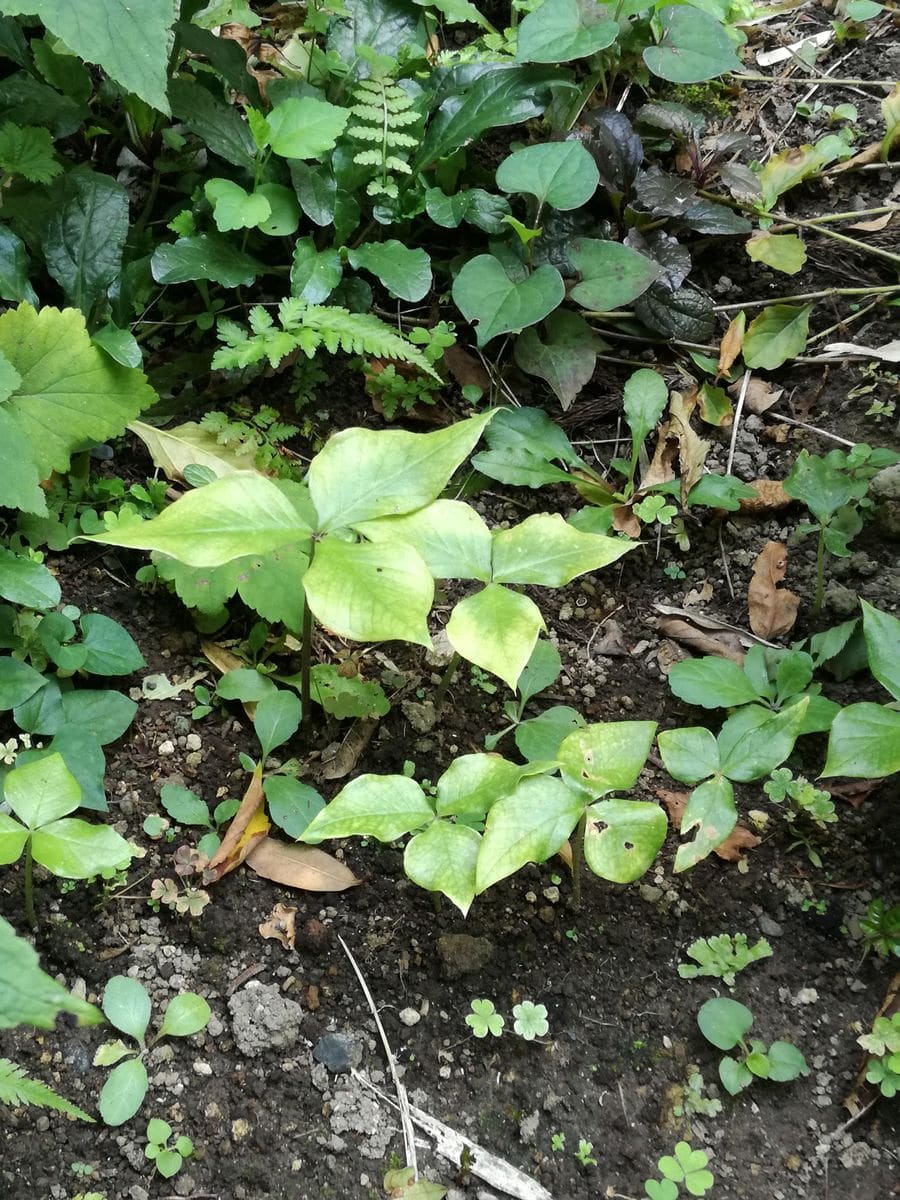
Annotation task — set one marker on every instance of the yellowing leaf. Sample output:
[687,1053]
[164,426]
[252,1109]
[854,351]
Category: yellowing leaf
[174,449]
[783,252]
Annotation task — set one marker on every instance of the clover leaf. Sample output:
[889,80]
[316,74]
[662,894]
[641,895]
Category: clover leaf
[484,1019]
[530,1020]
[688,1167]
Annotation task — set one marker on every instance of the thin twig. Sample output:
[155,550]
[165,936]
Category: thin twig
[409,1139]
[839,237]
[860,291]
[777,416]
[836,1133]
[725,563]
[745,383]
[818,79]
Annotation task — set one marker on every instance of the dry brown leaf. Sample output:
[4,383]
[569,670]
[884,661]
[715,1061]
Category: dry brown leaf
[876,224]
[624,521]
[770,496]
[731,850]
[701,595]
[466,369]
[759,397]
[725,645]
[692,449]
[280,924]
[778,434]
[870,154]
[305,867]
[345,755]
[248,825]
[854,791]
[731,344]
[668,654]
[773,609]
[223,660]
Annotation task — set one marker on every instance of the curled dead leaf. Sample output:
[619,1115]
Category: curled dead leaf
[279,924]
[770,496]
[248,825]
[876,223]
[732,849]
[759,396]
[298,866]
[339,759]
[624,521]
[731,344]
[773,609]
[466,369]
[724,644]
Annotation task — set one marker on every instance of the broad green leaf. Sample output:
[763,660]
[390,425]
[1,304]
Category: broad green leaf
[15,267]
[864,743]
[405,273]
[276,719]
[120,344]
[625,848]
[473,782]
[70,394]
[561,30]
[712,812]
[791,166]
[784,252]
[28,996]
[561,174]
[346,697]
[42,711]
[496,629]
[103,713]
[735,1076]
[245,684]
[380,806]
[474,205]
[823,488]
[111,650]
[305,128]
[442,859]
[361,474]
[530,825]
[724,1022]
[204,256]
[786,1062]
[13,837]
[755,741]
[381,25]
[776,335]
[83,756]
[179,446]
[544,549]
[882,634]
[694,47]
[73,849]
[218,125]
[284,211]
[519,468]
[85,235]
[185,1015]
[711,682]
[131,42]
[233,207]
[42,791]
[567,356]
[540,738]
[532,430]
[292,803]
[370,592]
[483,292]
[451,537]
[611,274]
[124,1091]
[18,682]
[499,95]
[183,805]
[126,1005]
[314,273]
[541,670]
[607,756]
[239,514]
[644,401]
[27,150]
[689,754]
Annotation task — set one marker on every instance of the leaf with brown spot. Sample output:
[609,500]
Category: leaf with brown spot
[731,850]
[770,496]
[279,924]
[248,825]
[731,344]
[304,867]
[773,609]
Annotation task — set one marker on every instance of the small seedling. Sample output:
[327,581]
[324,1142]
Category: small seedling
[584,1153]
[687,1169]
[81,1169]
[484,1019]
[557,1142]
[167,1159]
[42,794]
[401,1183]
[126,1005]
[693,1102]
[883,1043]
[530,1020]
[881,929]
[804,805]
[187,808]
[723,956]
[725,1023]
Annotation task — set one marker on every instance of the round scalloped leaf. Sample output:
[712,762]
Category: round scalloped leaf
[561,174]
[694,47]
[483,292]
[561,30]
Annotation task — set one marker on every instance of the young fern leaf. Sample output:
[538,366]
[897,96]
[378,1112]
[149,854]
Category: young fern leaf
[18,1088]
[310,327]
[384,114]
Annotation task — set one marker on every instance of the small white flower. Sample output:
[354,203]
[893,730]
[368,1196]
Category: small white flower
[8,751]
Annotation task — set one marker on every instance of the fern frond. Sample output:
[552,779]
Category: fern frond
[399,139]
[365,133]
[368,112]
[18,1088]
[383,112]
[397,164]
[387,188]
[368,158]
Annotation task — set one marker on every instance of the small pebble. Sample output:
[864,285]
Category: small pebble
[165,749]
[410,1016]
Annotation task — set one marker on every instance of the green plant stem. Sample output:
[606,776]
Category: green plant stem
[839,237]
[859,291]
[820,575]
[306,630]
[29,886]
[446,679]
[846,216]
[578,860]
